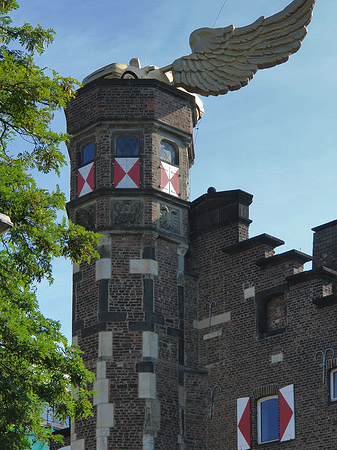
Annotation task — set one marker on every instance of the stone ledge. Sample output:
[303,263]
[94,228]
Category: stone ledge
[291,255]
[323,273]
[322,302]
[257,241]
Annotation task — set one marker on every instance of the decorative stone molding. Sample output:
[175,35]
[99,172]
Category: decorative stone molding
[127,212]
[169,218]
[86,217]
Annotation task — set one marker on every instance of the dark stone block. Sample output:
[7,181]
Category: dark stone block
[181,302]
[77,277]
[154,317]
[174,332]
[148,295]
[78,325]
[181,351]
[101,326]
[145,366]
[103,295]
[149,252]
[181,377]
[141,326]
[107,316]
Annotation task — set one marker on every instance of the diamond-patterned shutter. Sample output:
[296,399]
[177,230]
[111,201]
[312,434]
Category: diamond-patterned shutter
[127,173]
[169,179]
[243,423]
[85,179]
[287,413]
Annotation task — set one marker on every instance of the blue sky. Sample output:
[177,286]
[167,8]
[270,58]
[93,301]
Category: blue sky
[275,138]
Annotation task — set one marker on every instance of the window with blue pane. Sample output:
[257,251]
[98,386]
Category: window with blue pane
[88,153]
[127,146]
[333,385]
[168,153]
[268,420]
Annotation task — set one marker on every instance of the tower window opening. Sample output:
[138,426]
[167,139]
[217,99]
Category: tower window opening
[127,146]
[168,153]
[88,153]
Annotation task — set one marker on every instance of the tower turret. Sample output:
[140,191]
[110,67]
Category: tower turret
[131,150]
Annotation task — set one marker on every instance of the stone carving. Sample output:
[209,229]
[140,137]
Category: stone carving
[225,59]
[86,217]
[169,218]
[126,212]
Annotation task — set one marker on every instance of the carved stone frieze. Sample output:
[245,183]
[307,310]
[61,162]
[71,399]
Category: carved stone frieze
[169,218]
[86,217]
[127,212]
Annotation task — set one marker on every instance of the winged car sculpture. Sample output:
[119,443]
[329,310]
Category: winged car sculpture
[226,59]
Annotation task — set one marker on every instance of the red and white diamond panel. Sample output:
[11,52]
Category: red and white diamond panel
[243,422]
[287,413]
[85,179]
[169,179]
[127,173]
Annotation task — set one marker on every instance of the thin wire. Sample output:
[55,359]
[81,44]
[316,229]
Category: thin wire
[217,17]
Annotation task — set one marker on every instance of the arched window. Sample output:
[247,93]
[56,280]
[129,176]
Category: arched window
[168,153]
[87,153]
[267,419]
[169,170]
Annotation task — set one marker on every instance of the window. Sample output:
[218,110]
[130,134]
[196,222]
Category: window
[127,146]
[169,172]
[267,420]
[86,170]
[333,385]
[168,153]
[126,170]
[276,416]
[87,153]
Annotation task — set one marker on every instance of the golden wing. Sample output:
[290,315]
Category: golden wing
[225,59]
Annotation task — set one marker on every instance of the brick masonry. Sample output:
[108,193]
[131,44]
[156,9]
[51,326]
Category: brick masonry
[141,314]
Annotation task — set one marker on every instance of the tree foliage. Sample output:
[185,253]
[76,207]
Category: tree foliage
[37,367]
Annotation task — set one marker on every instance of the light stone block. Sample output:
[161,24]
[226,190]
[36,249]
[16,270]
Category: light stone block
[103,269]
[78,445]
[105,416]
[76,267]
[102,390]
[65,448]
[144,266]
[212,335]
[148,442]
[249,293]
[150,344]
[105,343]
[74,340]
[216,320]
[101,432]
[147,385]
[277,358]
[101,370]
[102,443]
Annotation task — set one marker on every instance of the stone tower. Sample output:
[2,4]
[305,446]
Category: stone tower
[130,151]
